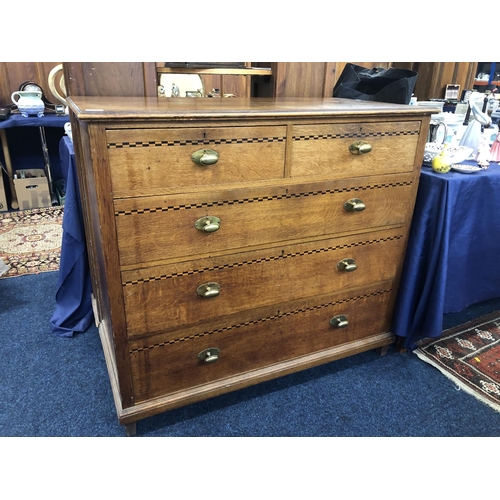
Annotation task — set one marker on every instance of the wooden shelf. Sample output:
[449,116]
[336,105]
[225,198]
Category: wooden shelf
[218,71]
[485,82]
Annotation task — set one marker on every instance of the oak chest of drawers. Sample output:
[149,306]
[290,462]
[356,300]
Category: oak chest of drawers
[233,241]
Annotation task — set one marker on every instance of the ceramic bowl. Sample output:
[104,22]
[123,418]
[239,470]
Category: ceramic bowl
[456,154]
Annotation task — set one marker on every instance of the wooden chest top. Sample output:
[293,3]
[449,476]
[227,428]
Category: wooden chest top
[133,108]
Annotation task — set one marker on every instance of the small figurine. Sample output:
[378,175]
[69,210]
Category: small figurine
[495,149]
[483,152]
[175,91]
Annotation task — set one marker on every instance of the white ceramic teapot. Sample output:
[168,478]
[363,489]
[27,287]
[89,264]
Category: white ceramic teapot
[29,102]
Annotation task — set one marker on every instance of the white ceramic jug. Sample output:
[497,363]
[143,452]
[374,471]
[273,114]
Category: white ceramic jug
[29,102]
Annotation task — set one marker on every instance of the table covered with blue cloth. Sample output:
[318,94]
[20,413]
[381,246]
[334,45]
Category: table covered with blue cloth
[73,311]
[453,254]
[47,120]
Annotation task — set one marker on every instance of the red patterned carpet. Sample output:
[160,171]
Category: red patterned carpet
[469,354]
[30,241]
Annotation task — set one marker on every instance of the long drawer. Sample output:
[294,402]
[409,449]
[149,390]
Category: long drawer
[154,161]
[203,290]
[161,366]
[160,228]
[333,149]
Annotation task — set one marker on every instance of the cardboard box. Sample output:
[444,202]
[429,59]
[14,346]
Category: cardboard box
[3,196]
[33,190]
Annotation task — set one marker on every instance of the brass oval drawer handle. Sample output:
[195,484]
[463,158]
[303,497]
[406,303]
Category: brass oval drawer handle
[208,290]
[339,321]
[210,355]
[354,205]
[205,157]
[208,224]
[360,148]
[347,265]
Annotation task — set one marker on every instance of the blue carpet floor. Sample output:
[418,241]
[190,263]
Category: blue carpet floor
[59,388]
[54,386]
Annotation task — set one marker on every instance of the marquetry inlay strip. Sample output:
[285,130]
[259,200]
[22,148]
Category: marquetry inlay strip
[193,142]
[264,259]
[351,135]
[261,198]
[260,320]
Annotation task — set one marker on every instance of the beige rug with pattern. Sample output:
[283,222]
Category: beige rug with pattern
[30,241]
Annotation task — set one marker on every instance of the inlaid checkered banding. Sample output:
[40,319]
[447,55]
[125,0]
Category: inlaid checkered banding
[193,142]
[222,203]
[261,320]
[353,135]
[264,259]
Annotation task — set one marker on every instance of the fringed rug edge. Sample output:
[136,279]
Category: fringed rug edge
[461,385]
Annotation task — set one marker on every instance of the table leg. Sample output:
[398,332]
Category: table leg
[3,137]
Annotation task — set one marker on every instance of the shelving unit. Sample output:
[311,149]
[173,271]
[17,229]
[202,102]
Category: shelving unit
[491,70]
[228,78]
[246,71]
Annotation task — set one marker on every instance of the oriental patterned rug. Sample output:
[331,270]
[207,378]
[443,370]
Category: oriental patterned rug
[30,241]
[469,354]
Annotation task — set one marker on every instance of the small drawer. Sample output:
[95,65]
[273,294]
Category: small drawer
[203,290]
[157,229]
[354,149]
[161,367]
[145,162]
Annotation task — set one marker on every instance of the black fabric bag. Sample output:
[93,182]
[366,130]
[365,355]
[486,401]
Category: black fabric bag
[376,84]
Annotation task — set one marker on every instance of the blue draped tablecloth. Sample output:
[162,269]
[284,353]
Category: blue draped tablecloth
[73,311]
[49,120]
[453,255]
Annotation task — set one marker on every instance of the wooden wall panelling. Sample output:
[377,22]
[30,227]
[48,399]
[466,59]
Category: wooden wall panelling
[434,76]
[290,79]
[127,79]
[4,85]
[238,85]
[303,79]
[13,74]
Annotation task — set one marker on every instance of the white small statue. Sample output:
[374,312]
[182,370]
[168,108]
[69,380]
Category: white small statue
[175,90]
[483,152]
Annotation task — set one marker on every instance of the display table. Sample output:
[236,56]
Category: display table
[73,311]
[452,260]
[17,120]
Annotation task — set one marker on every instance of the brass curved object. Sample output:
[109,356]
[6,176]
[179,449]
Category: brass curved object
[347,265]
[208,224]
[339,321]
[354,205]
[360,148]
[210,355]
[208,290]
[205,157]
